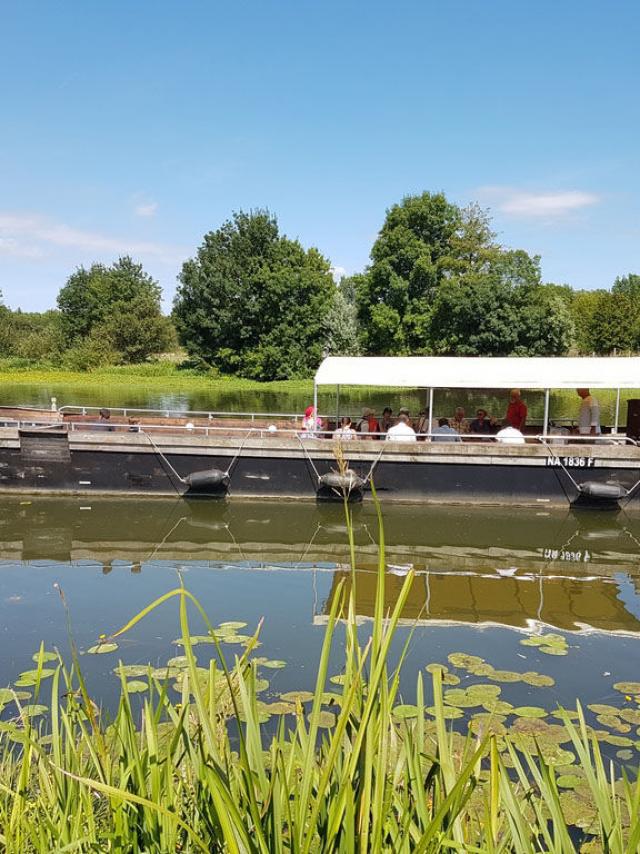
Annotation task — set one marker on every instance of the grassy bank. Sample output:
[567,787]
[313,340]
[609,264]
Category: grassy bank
[349,767]
[157,375]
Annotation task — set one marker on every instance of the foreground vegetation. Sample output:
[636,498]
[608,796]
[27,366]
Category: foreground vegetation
[347,768]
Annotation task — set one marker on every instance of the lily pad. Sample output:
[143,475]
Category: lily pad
[482,669]
[136,686]
[44,656]
[631,716]
[568,781]
[34,710]
[449,713]
[464,660]
[554,650]
[504,676]
[603,709]
[7,695]
[529,712]
[178,661]
[292,696]
[101,648]
[625,754]
[128,670]
[613,722]
[261,685]
[618,740]
[538,680]
[434,667]
[330,698]
[326,719]
[406,711]
[235,638]
[627,687]
[498,707]
[274,664]
[232,624]
[279,708]
[338,679]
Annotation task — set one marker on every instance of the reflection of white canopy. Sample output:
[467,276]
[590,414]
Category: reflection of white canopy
[480,372]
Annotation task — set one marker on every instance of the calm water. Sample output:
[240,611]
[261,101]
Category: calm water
[483,579]
[564,405]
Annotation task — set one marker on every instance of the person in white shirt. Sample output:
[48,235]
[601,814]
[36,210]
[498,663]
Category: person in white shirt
[402,431]
[510,436]
[589,415]
[345,432]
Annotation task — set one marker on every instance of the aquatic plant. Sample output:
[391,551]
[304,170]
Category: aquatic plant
[348,767]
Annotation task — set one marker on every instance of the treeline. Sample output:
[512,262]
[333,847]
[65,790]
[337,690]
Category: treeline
[254,303]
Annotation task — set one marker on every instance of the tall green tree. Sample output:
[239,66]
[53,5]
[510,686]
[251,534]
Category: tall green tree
[117,306]
[341,323]
[253,302]
[410,257]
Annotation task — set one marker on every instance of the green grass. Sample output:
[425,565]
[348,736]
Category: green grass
[202,774]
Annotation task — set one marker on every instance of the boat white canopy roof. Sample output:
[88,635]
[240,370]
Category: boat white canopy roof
[612,372]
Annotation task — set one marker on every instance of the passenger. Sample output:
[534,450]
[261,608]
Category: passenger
[444,432]
[589,414]
[105,415]
[310,423]
[368,423]
[345,432]
[510,435]
[481,424]
[424,425]
[387,419]
[459,423]
[516,411]
[402,431]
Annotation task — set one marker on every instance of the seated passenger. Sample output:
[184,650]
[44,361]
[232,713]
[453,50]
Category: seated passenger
[387,419]
[444,432]
[345,432]
[368,423]
[424,425]
[510,435]
[402,431]
[310,423]
[105,415]
[459,423]
[481,424]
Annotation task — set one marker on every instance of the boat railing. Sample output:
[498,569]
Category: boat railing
[210,415]
[550,440]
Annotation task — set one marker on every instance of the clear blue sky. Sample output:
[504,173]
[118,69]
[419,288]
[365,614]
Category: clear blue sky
[138,126]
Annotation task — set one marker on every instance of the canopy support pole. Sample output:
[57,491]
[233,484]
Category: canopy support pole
[337,407]
[545,423]
[430,409]
[615,426]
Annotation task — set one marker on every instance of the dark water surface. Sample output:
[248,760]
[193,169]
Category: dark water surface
[483,580]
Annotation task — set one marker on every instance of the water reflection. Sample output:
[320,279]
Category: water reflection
[509,568]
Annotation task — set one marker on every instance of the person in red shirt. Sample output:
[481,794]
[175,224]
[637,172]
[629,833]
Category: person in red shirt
[516,411]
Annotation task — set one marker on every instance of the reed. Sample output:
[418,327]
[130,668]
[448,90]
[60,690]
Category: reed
[202,774]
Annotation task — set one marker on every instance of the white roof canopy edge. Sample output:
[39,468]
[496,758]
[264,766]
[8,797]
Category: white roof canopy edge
[557,372]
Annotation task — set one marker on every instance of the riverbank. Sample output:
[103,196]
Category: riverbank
[167,385]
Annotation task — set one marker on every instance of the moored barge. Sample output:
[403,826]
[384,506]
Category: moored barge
[72,450]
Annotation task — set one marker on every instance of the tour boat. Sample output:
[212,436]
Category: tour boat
[72,449]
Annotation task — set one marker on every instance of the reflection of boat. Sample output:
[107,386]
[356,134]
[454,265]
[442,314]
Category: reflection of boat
[143,452]
[502,567]
[567,600]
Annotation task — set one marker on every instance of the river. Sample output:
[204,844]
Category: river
[484,581]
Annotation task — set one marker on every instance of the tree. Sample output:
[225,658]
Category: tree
[121,304]
[410,257]
[253,302]
[615,322]
[341,324]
